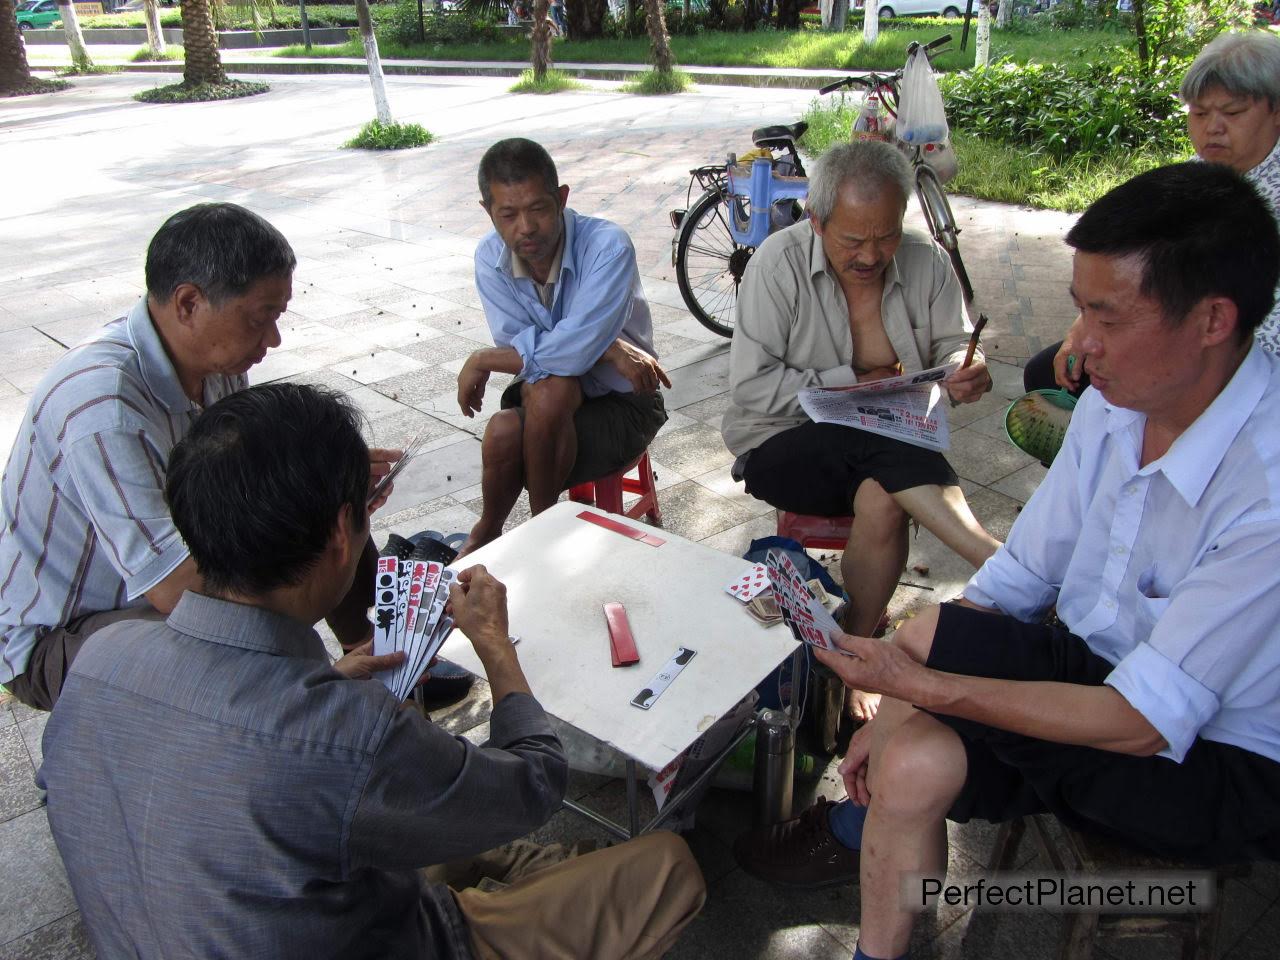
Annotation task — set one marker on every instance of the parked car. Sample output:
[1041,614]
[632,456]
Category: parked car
[38,13]
[917,8]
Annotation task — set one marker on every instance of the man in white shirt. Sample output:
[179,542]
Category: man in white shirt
[1152,716]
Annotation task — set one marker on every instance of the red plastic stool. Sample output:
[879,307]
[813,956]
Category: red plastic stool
[606,492]
[823,533]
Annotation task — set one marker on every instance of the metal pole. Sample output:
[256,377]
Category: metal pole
[964,34]
[633,804]
[422,27]
[306,24]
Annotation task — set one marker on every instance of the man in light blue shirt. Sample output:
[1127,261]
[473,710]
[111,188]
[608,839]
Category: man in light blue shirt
[1152,714]
[563,299]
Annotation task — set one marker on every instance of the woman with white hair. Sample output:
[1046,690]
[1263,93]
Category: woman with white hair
[1232,93]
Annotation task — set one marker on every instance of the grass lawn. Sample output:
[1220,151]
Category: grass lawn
[236,17]
[763,48]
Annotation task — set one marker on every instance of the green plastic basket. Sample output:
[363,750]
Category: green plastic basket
[1036,422]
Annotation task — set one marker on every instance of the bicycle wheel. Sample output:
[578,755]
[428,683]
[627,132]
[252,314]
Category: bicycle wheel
[709,265]
[942,222]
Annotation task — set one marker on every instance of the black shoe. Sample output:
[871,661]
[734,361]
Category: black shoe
[447,684]
[802,852]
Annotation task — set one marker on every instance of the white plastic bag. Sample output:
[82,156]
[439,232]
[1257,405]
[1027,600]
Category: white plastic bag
[921,117]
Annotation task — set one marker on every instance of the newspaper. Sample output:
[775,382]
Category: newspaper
[908,408]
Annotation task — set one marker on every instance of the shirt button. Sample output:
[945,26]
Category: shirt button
[1118,550]
[1110,604]
[1130,490]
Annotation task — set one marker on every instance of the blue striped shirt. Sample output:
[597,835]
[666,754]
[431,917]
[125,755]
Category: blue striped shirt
[86,528]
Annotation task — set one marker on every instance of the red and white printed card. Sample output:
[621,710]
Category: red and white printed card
[750,585]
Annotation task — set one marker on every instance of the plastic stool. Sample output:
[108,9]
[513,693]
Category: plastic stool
[822,533]
[606,492]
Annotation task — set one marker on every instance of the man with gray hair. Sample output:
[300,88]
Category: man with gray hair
[87,539]
[847,296]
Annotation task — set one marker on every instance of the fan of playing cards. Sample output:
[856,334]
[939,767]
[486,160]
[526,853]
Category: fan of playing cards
[808,619]
[410,593]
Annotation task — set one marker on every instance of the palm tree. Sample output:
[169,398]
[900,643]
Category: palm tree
[15,74]
[656,19]
[540,40]
[203,63]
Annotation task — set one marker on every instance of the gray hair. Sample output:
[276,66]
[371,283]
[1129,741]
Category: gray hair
[870,165]
[1244,64]
[221,248]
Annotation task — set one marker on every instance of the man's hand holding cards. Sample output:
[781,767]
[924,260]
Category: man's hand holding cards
[808,619]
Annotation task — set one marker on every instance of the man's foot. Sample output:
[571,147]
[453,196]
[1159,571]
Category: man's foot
[479,536]
[862,705]
[798,853]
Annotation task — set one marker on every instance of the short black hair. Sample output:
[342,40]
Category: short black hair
[1201,230]
[515,161]
[222,248]
[256,487]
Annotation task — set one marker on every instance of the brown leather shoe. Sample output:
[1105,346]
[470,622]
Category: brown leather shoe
[802,852]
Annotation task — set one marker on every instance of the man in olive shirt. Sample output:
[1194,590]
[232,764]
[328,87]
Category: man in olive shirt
[844,297]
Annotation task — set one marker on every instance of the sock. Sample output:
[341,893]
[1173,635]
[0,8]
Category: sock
[859,955]
[845,821]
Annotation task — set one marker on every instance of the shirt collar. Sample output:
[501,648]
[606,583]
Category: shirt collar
[818,263]
[1189,465]
[157,369]
[1269,168]
[516,268]
[248,627]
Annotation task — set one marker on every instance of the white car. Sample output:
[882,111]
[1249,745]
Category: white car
[918,8]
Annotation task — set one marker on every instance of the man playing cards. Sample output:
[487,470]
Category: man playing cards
[1151,714]
[562,295]
[844,297]
[217,788]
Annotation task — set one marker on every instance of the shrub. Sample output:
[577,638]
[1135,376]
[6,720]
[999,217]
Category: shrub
[437,26]
[1068,112]
[145,54]
[652,83]
[376,135]
[553,81]
[181,93]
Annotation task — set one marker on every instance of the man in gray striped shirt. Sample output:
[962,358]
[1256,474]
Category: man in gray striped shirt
[86,537]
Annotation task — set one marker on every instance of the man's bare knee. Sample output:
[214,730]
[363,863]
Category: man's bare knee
[921,769]
[876,513]
[915,636]
[503,437]
[551,397]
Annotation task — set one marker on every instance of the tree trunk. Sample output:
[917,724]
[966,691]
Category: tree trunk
[202,63]
[687,11]
[870,21]
[1140,31]
[370,43]
[835,15]
[15,74]
[586,18]
[155,35]
[788,14]
[75,37]
[540,40]
[656,18]
[1004,14]
[982,48]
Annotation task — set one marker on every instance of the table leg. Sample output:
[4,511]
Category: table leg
[793,707]
[633,803]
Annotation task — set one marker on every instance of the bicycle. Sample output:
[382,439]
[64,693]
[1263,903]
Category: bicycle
[709,260]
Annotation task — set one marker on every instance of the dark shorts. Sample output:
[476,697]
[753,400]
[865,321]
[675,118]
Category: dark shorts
[612,430]
[1216,806]
[816,468]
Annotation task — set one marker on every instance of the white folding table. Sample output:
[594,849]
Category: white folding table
[560,569]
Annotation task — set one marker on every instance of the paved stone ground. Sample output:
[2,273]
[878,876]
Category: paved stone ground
[384,309]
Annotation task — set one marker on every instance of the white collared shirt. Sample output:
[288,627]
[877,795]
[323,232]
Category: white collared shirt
[1169,571]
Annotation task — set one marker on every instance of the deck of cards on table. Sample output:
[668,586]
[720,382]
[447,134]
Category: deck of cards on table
[410,594]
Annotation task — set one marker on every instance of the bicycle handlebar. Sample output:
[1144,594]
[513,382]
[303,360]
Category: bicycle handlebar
[871,79]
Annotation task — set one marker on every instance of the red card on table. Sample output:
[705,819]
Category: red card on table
[622,646]
[618,527]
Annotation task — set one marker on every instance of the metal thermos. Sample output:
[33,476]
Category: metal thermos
[775,767]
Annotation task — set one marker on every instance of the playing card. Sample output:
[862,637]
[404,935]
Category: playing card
[749,584]
[808,619]
[386,586]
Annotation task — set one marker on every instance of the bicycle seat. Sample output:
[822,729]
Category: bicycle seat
[781,135]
